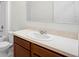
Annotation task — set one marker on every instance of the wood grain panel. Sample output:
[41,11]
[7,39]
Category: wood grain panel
[43,52]
[22,42]
[20,52]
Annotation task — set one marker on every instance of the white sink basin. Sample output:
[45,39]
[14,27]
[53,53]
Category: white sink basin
[39,36]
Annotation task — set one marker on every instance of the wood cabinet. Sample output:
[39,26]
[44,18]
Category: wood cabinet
[25,44]
[20,51]
[38,51]
[23,48]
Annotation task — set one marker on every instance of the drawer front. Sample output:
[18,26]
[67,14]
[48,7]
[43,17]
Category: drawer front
[20,52]
[22,42]
[42,52]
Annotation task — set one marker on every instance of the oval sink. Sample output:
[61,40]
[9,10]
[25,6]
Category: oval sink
[39,36]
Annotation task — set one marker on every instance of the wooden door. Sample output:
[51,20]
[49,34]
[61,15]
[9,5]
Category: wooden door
[20,51]
[38,51]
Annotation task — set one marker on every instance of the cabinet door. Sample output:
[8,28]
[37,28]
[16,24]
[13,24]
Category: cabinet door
[25,44]
[38,51]
[20,52]
[64,12]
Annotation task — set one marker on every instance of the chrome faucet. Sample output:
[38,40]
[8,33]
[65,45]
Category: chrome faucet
[43,32]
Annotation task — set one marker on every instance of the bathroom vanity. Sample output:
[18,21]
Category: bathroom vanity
[26,46]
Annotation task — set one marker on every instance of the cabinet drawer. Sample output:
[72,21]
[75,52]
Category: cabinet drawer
[20,51]
[22,42]
[43,52]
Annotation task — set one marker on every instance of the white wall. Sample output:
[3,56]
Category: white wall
[18,20]
[17,15]
[53,25]
[64,12]
[40,11]
[0,16]
[3,16]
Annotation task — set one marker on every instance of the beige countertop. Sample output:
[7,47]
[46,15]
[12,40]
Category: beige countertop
[63,45]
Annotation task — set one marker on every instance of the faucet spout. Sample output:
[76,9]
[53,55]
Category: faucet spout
[43,32]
